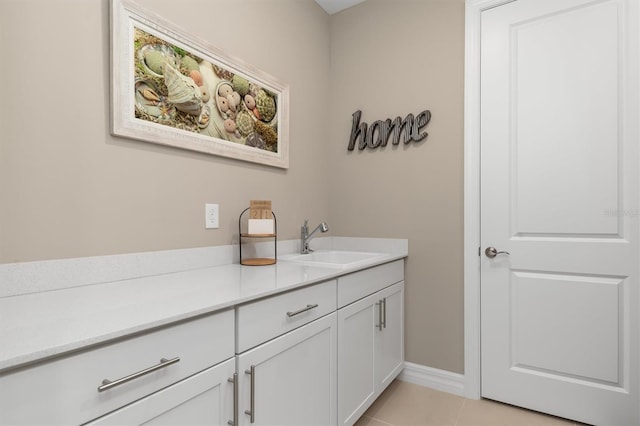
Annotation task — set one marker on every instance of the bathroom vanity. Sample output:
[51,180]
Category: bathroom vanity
[292,343]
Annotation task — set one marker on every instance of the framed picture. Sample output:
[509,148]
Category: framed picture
[172,88]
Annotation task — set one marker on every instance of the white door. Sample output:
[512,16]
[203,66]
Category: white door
[294,378]
[559,193]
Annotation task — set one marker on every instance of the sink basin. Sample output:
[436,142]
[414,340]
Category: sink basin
[332,258]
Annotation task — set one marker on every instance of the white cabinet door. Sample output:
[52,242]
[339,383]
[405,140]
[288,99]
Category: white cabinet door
[294,378]
[203,399]
[370,350]
[390,340]
[357,326]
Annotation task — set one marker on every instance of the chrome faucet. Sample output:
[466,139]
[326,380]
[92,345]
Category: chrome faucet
[305,236]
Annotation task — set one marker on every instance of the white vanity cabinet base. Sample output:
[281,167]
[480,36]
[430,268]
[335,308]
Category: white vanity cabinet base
[206,398]
[315,355]
[65,390]
[369,357]
[295,377]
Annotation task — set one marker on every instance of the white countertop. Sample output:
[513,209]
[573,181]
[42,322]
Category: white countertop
[44,324]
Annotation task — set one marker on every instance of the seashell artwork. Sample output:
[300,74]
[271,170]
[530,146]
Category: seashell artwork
[229,125]
[266,105]
[224,89]
[205,94]
[232,103]
[249,102]
[236,98]
[269,134]
[149,94]
[151,57]
[189,63]
[148,100]
[222,73]
[256,140]
[240,85]
[204,117]
[184,93]
[154,59]
[222,104]
[244,123]
[174,87]
[196,77]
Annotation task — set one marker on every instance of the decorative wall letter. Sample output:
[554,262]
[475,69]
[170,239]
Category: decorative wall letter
[377,135]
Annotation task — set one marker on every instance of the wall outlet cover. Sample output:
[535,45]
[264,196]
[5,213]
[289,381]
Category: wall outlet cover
[211,216]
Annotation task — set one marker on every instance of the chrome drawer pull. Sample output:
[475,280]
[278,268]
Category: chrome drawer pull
[379,305]
[108,384]
[299,311]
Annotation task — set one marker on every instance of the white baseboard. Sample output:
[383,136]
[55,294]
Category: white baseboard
[433,378]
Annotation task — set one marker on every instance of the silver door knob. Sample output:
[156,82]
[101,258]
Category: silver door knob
[491,252]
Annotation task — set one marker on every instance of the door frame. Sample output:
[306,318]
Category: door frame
[473,11]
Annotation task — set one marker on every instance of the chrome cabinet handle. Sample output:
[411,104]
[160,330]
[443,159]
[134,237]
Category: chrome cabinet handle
[234,380]
[491,252]
[108,384]
[299,311]
[384,312]
[251,412]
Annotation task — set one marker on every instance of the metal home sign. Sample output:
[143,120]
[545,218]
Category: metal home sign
[378,134]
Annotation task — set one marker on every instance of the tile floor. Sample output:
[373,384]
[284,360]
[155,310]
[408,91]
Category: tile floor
[404,403]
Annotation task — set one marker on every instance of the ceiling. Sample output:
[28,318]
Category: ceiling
[335,6]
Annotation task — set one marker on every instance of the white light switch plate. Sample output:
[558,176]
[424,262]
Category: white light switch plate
[211,216]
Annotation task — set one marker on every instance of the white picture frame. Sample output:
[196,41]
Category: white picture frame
[159,96]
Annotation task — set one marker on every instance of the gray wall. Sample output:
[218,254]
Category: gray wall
[388,59]
[70,189]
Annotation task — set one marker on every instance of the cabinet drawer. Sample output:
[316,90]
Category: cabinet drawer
[360,284]
[265,319]
[205,398]
[65,390]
